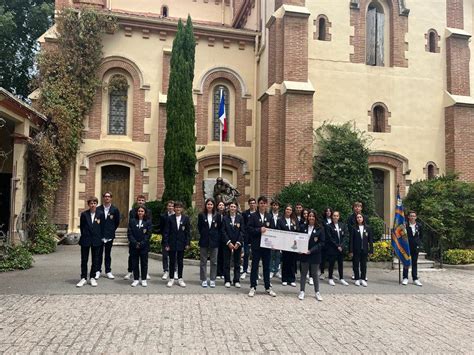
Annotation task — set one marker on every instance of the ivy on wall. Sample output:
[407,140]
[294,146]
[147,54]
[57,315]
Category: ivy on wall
[68,83]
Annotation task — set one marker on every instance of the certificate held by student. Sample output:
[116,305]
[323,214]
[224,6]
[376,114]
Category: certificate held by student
[285,240]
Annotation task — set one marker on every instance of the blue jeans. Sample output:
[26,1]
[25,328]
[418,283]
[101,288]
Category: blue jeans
[275,263]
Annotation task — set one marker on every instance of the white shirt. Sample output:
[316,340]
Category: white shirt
[106,211]
[92,217]
[336,226]
[310,230]
[140,223]
[232,220]
[413,228]
[329,220]
[209,219]
[262,216]
[288,222]
[361,231]
[178,221]
[275,218]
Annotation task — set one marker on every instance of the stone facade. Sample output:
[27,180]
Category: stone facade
[283,81]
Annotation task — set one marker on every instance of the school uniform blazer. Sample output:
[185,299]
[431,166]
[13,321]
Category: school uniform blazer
[254,226]
[352,222]
[364,242]
[293,227]
[333,240]
[209,236]
[415,240]
[233,233]
[91,232]
[133,213]
[163,222]
[112,221]
[273,224]
[316,243]
[139,235]
[246,215]
[177,237]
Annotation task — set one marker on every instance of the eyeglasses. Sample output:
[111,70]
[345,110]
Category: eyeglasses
[107,196]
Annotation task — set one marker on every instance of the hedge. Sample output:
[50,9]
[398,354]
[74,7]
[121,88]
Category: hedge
[16,258]
[458,256]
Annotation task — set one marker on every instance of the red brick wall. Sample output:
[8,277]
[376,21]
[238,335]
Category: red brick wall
[457,61]
[398,30]
[459,144]
[455,13]
[62,200]
[243,116]
[295,49]
[160,187]
[140,108]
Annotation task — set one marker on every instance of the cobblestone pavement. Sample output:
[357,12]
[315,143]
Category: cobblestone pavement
[383,318]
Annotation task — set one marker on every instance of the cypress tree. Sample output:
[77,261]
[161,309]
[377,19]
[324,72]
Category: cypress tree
[180,142]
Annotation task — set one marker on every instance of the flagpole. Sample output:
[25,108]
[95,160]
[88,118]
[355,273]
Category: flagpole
[220,141]
[399,266]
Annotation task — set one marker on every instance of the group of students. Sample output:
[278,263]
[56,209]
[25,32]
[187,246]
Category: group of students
[228,237]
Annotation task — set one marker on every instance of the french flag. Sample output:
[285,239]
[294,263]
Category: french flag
[223,116]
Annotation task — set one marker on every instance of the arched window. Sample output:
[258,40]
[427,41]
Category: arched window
[431,173]
[164,11]
[432,41]
[375,35]
[431,170]
[322,29]
[378,119]
[215,112]
[118,96]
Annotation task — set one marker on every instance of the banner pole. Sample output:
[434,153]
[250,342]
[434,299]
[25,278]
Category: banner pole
[220,142]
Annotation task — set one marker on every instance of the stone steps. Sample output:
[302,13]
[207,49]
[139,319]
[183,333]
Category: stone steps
[121,237]
[423,263]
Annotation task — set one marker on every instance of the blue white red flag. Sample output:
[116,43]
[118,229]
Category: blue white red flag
[223,117]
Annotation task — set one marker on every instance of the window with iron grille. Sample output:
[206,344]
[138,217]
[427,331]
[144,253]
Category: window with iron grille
[118,112]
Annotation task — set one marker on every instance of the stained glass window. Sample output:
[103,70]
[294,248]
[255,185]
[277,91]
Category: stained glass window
[215,117]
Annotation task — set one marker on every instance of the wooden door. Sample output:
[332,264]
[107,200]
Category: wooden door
[116,179]
[378,177]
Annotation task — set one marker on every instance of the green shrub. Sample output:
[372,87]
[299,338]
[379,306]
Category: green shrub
[342,162]
[382,252]
[315,195]
[155,243]
[191,253]
[16,258]
[447,205]
[44,241]
[458,256]
[156,207]
[192,213]
[377,225]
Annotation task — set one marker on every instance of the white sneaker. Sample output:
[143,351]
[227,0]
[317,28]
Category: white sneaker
[241,269]
[311,281]
[364,283]
[293,284]
[237,284]
[322,277]
[170,283]
[127,276]
[357,282]
[252,292]
[110,276]
[144,283]
[301,296]
[318,297]
[227,284]
[148,276]
[352,277]
[271,292]
[81,283]
[284,283]
[181,283]
[204,283]
[135,283]
[165,275]
[331,282]
[405,282]
[97,275]
[271,275]
[278,275]
[212,284]
[93,282]
[243,276]
[259,276]
[175,275]
[344,282]
[417,283]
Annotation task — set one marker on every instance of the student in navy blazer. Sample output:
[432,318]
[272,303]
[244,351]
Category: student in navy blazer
[288,222]
[336,234]
[276,254]
[310,261]
[246,248]
[112,221]
[176,240]
[91,227]
[415,236]
[220,211]
[325,220]
[209,225]
[233,238]
[361,245]
[139,232]
[258,223]
[163,223]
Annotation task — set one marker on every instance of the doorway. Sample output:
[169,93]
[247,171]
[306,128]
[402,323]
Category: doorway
[378,177]
[116,179]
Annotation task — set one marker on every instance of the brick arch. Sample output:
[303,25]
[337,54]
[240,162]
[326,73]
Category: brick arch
[387,114]
[113,156]
[140,108]
[398,30]
[238,164]
[243,116]
[395,161]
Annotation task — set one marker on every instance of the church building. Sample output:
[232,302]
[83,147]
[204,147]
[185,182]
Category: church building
[399,69]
